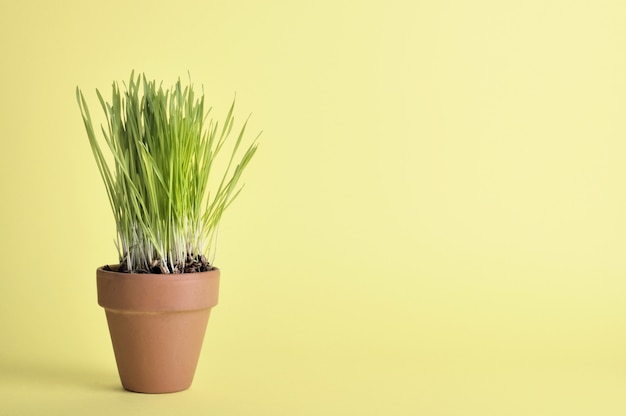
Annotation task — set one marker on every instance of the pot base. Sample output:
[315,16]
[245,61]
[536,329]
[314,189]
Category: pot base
[157,352]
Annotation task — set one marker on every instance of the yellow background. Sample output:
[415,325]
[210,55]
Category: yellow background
[434,224]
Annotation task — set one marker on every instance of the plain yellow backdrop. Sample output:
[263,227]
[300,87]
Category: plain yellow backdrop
[433,225]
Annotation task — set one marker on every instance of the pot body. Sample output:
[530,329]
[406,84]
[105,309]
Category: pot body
[157,324]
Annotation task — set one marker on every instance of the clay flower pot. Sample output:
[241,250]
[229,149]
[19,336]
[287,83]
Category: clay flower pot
[157,323]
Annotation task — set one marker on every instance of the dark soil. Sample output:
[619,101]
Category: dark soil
[193,264]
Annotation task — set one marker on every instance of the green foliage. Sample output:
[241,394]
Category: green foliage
[162,152]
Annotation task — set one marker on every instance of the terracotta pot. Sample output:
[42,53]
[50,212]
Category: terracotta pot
[157,324]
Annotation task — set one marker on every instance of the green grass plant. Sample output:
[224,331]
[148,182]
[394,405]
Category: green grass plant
[157,162]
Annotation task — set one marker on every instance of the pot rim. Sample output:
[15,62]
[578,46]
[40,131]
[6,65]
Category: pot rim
[143,292]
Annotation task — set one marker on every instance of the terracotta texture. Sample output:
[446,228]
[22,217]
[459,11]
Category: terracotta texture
[157,324]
